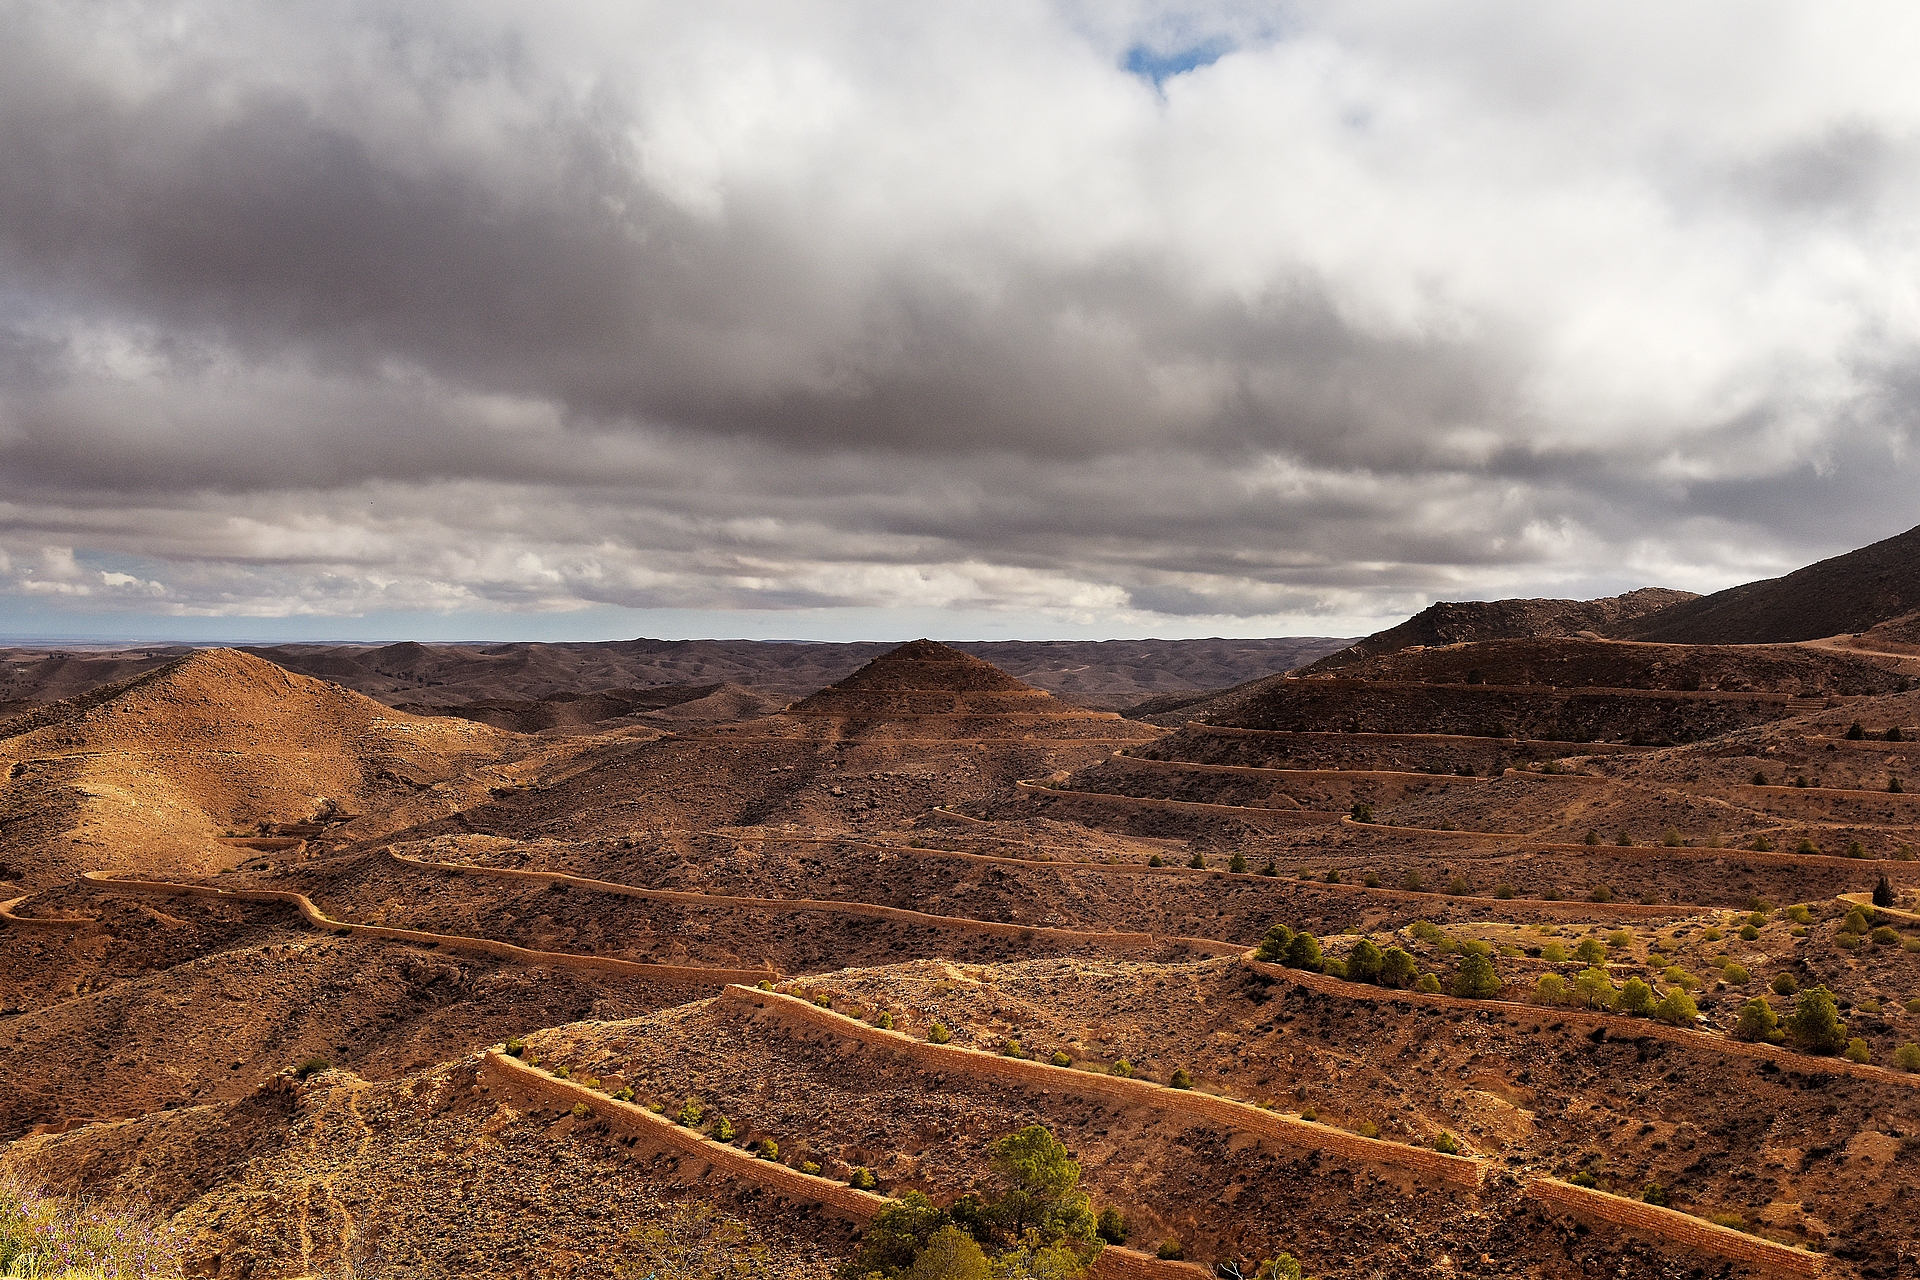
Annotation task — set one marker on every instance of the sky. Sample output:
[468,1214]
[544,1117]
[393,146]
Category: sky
[493,320]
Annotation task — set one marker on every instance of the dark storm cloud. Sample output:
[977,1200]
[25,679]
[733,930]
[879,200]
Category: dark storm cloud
[317,310]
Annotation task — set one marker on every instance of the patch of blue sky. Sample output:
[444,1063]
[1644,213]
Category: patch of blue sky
[1158,67]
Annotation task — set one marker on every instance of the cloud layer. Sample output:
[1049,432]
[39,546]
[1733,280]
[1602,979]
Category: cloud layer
[327,309]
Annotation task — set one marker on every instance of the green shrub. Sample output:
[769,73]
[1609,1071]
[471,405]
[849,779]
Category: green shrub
[825,1002]
[1309,1114]
[691,1113]
[1180,1079]
[722,1130]
[1589,951]
[1857,1051]
[1593,988]
[1447,1145]
[1619,938]
[1475,979]
[1886,936]
[1504,892]
[1122,1068]
[1459,886]
[1624,839]
[765,984]
[1111,1226]
[1855,733]
[1783,984]
[563,1073]
[624,1093]
[1671,839]
[1425,931]
[1593,837]
[1757,1021]
[314,1066]
[515,1047]
[1550,989]
[769,1149]
[1371,880]
[1655,1194]
[1361,811]
[1304,953]
[1397,968]
[1677,1007]
[1806,845]
[1012,1049]
[1237,863]
[1156,861]
[810,1166]
[1412,882]
[938,1033]
[1907,1057]
[1582,1179]
[1061,1058]
[1429,983]
[1761,845]
[1270,869]
[1197,862]
[1170,1250]
[1333,875]
[1601,893]
[1674,975]
[863,1180]
[1856,921]
[1364,962]
[581,1111]
[1735,975]
[1815,1024]
[1553,953]
[1636,997]
[1799,914]
[1368,1129]
[1273,947]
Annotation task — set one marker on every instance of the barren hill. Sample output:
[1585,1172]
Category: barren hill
[1847,593]
[1464,622]
[147,774]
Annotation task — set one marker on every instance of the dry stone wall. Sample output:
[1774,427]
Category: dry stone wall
[1673,1227]
[1305,1134]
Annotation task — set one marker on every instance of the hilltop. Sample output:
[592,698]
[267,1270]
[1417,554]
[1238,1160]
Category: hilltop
[1844,594]
[148,773]
[1465,622]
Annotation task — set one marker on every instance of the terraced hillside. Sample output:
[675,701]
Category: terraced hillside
[880,929]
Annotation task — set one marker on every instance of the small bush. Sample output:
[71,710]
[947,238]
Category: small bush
[1735,975]
[314,1066]
[1550,989]
[1111,1226]
[938,1033]
[1757,1021]
[1806,845]
[1589,951]
[1783,984]
[1061,1058]
[1361,811]
[1636,997]
[1582,1179]
[1475,979]
[1554,953]
[1273,947]
[1855,849]
[1855,733]
[1593,837]
[1848,941]
[1270,869]
[1761,845]
[581,1111]
[624,1093]
[1712,934]
[1170,1250]
[1368,1129]
[1799,914]
[1197,863]
[1413,883]
[769,1149]
[1333,875]
[1655,1194]
[1309,1114]
[1012,1049]
[1907,1057]
[1677,1007]
[1156,861]
[1504,892]
[44,1235]
[1759,779]
[1446,1145]
[1429,983]
[1624,839]
[765,984]
[563,1073]
[1371,880]
[1815,1024]
[691,1113]
[810,1166]
[1397,968]
[1122,1068]
[1857,1051]
[1237,863]
[825,1002]
[863,1180]
[1619,939]
[1671,839]
[1364,962]
[1180,1079]
[1595,989]
[1885,936]
[515,1047]
[1304,953]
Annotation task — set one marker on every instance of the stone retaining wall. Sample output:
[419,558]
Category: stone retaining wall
[1124,941]
[1617,1024]
[1458,1171]
[681,974]
[802,1188]
[1672,1227]
[1285,817]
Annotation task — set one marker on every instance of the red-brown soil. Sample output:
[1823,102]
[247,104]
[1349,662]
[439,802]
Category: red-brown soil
[873,844]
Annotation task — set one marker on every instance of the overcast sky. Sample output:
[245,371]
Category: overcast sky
[1010,319]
